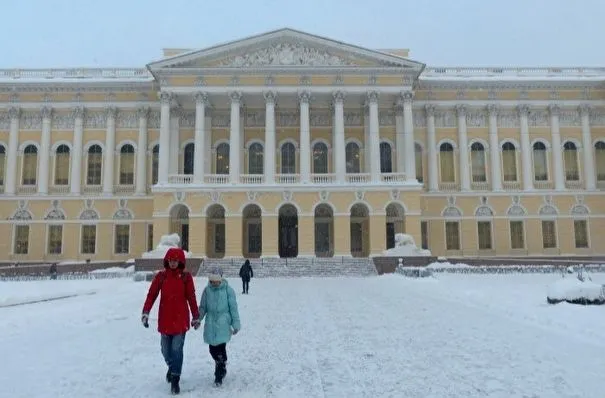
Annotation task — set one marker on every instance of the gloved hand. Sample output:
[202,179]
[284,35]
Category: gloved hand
[195,324]
[145,320]
[234,331]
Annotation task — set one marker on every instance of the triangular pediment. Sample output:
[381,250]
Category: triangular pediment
[282,49]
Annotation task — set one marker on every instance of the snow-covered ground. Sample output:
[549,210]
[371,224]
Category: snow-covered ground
[389,336]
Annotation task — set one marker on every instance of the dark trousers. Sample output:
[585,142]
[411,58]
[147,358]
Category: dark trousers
[218,352]
[245,285]
[172,350]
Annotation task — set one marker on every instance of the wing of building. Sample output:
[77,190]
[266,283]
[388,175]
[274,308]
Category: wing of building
[292,144]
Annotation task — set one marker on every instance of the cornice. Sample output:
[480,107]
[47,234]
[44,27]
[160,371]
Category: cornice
[482,104]
[310,71]
[154,105]
[75,86]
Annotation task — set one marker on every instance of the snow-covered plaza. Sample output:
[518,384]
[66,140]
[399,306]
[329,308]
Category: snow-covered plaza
[455,335]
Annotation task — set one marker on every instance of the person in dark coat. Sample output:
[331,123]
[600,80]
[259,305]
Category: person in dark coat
[177,298]
[245,272]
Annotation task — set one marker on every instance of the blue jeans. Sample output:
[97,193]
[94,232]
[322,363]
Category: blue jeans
[172,350]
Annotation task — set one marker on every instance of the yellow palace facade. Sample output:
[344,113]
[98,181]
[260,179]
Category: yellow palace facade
[289,144]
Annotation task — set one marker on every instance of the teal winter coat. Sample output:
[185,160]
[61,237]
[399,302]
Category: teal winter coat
[219,306]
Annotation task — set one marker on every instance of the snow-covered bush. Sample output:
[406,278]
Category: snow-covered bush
[576,290]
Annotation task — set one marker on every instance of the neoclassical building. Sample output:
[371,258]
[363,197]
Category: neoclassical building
[291,144]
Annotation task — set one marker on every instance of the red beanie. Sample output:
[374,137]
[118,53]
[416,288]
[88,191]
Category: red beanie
[174,253]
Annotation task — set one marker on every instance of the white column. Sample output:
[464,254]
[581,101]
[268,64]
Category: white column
[208,155]
[199,150]
[305,138]
[557,150]
[399,138]
[408,134]
[76,157]
[528,176]
[374,137]
[339,137]
[141,181]
[10,183]
[234,137]
[431,144]
[44,162]
[465,181]
[164,155]
[110,150]
[175,150]
[269,155]
[587,149]
[494,148]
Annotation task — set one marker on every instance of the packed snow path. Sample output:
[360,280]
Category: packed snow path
[457,336]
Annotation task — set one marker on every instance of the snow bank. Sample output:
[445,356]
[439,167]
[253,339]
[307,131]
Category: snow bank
[573,290]
[446,264]
[109,270]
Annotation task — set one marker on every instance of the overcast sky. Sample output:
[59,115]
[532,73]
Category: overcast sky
[70,33]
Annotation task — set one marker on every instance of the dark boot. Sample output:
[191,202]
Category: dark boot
[174,384]
[220,370]
[168,377]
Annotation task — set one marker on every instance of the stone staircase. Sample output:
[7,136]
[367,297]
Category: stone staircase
[294,267]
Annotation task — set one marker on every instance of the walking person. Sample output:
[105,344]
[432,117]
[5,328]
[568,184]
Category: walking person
[177,298]
[219,305]
[245,272]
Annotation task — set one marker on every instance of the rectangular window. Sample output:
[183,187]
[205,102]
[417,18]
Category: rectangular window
[452,235]
[549,235]
[517,238]
[127,168]
[89,239]
[95,164]
[122,242]
[484,231]
[581,233]
[424,234]
[149,237]
[21,239]
[55,239]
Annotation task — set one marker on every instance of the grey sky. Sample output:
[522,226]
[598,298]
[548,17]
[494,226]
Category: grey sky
[69,33]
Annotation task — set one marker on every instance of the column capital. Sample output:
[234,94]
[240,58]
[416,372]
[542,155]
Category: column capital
[270,96]
[304,96]
[492,109]
[585,109]
[554,109]
[46,112]
[430,109]
[406,96]
[166,97]
[201,98]
[143,112]
[523,110]
[14,112]
[78,112]
[236,96]
[176,112]
[111,112]
[460,110]
[372,96]
[339,96]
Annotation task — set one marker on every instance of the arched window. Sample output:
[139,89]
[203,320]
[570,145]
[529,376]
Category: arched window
[255,159]
[320,158]
[288,158]
[352,156]
[570,161]
[509,162]
[599,149]
[418,158]
[540,162]
[127,165]
[30,165]
[386,158]
[446,161]
[155,163]
[222,158]
[188,158]
[478,162]
[2,163]
[62,165]
[94,165]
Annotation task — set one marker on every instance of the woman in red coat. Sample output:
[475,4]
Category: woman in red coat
[176,300]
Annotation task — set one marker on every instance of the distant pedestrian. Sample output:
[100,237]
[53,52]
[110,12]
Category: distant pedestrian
[246,273]
[177,299]
[219,305]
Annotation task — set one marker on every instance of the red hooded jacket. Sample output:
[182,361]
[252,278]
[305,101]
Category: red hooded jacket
[177,296]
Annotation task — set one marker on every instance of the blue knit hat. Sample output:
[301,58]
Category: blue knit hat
[216,274]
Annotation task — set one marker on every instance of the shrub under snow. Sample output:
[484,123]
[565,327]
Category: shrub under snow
[576,290]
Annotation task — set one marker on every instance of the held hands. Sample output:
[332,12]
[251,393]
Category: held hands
[145,320]
[195,324]
[234,331]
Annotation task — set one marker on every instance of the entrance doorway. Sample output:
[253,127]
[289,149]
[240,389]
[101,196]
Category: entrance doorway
[179,224]
[288,231]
